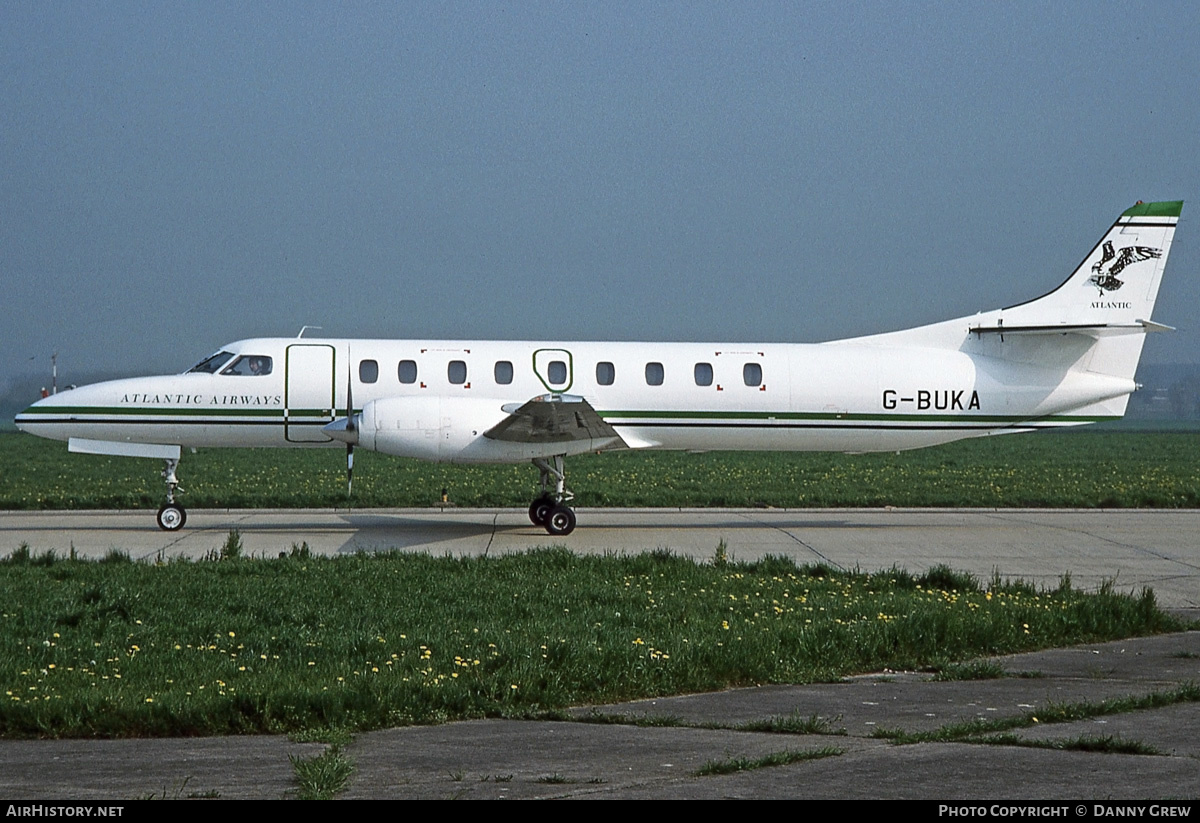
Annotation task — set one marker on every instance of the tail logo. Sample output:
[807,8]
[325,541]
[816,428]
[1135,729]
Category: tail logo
[1106,280]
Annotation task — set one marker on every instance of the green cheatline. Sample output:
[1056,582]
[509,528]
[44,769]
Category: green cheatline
[611,416]
[171,411]
[167,412]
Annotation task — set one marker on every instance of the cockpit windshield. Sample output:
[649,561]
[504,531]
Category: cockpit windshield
[210,365]
[251,365]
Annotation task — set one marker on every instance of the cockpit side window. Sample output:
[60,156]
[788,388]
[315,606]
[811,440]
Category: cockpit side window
[250,365]
[210,365]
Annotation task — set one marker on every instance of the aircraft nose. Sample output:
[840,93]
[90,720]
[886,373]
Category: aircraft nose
[35,412]
[345,429]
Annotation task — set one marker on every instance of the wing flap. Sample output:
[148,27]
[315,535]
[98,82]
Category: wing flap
[552,418]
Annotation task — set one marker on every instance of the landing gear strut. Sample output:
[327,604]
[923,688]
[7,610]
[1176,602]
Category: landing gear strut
[171,516]
[549,509]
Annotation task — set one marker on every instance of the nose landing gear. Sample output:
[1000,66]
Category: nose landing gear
[549,509]
[171,516]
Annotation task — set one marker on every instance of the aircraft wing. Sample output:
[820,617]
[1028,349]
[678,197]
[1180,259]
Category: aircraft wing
[553,418]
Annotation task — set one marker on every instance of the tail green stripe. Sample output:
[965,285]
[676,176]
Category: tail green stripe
[1165,208]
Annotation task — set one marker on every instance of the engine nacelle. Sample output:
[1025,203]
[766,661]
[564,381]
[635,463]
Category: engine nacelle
[429,427]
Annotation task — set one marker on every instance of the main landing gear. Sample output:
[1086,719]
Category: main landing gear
[550,509]
[171,516]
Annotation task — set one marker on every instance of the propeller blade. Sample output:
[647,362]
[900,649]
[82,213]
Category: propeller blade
[350,429]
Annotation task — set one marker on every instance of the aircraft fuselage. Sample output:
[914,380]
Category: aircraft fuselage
[435,399]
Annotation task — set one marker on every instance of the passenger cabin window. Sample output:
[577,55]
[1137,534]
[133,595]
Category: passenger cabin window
[606,373]
[368,371]
[704,374]
[210,365]
[249,365]
[503,372]
[752,374]
[456,371]
[556,372]
[654,374]
[407,371]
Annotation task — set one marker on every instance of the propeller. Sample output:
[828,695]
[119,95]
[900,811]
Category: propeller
[352,430]
[345,429]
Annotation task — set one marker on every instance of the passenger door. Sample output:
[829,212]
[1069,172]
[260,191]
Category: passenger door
[308,392]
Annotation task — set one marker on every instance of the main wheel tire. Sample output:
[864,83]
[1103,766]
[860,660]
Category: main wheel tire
[561,521]
[171,517]
[539,510]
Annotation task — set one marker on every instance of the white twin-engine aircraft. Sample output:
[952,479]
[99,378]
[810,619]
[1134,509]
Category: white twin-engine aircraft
[1063,359]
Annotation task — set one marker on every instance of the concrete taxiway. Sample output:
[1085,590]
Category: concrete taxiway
[526,759]
[1135,548]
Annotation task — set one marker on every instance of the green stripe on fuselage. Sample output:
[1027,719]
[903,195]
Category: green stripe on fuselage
[615,417]
[171,411]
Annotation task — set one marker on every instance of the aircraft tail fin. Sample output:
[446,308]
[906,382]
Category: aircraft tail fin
[1103,308]
[1117,283]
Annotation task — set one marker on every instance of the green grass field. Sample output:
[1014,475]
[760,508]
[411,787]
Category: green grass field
[1060,469]
[240,645]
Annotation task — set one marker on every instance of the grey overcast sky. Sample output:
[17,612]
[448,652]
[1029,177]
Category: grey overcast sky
[174,176]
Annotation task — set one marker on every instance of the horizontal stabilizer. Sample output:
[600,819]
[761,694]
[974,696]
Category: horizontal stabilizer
[1092,330]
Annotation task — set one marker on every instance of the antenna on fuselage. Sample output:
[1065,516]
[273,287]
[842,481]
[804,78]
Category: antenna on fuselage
[303,329]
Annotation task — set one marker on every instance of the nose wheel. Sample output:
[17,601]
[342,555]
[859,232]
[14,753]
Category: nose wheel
[549,509]
[171,516]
